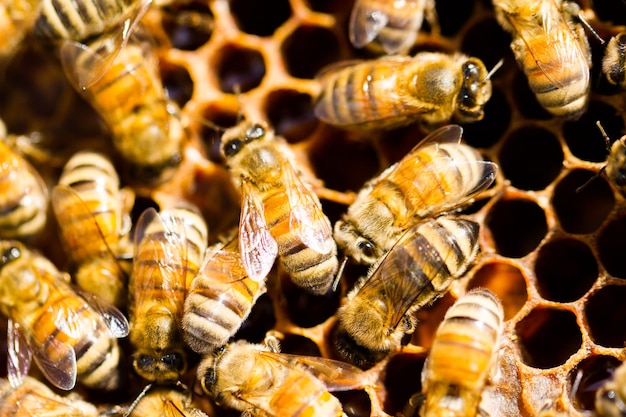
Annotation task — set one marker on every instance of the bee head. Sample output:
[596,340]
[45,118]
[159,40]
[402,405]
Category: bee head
[236,138]
[359,248]
[166,367]
[10,253]
[475,91]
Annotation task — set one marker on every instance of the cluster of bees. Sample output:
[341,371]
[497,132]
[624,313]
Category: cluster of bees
[157,280]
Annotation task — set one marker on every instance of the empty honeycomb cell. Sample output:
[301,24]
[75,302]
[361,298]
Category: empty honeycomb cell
[517,225]
[526,168]
[260,18]
[606,315]
[584,138]
[340,8]
[188,25]
[240,68]
[451,23]
[589,375]
[527,103]
[611,247]
[355,403]
[298,345]
[305,309]
[261,320]
[177,82]
[487,41]
[402,380]
[291,114]
[614,12]
[565,269]
[582,210]
[487,132]
[548,337]
[506,281]
[308,49]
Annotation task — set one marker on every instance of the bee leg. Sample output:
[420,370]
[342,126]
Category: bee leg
[413,406]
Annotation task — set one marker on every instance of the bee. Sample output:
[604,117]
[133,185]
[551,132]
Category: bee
[280,215]
[614,61]
[168,251]
[89,206]
[220,298]
[34,398]
[258,380]
[71,335]
[166,403]
[393,24]
[552,49]
[125,88]
[419,268]
[463,354]
[436,176]
[394,91]
[23,196]
[611,397]
[16,18]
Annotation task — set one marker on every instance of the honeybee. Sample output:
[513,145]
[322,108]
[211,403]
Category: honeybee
[125,88]
[16,18]
[394,91]
[23,196]
[468,337]
[220,298]
[614,61]
[89,206]
[611,397]
[436,176]
[280,215]
[71,335]
[393,24]
[166,403]
[552,49]
[34,398]
[259,381]
[379,310]
[168,250]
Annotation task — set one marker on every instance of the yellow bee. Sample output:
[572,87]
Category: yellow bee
[436,176]
[611,397]
[419,268]
[23,197]
[71,335]
[393,24]
[166,403]
[124,87]
[552,49]
[280,215]
[614,61]
[463,355]
[32,398]
[220,298]
[168,251]
[259,381]
[16,18]
[430,87]
[89,206]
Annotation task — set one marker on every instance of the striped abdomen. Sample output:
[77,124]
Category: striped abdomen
[463,353]
[79,19]
[219,300]
[23,197]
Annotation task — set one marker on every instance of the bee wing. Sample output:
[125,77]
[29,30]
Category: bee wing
[61,372]
[19,356]
[306,218]
[445,134]
[335,375]
[257,247]
[365,23]
[84,64]
[113,318]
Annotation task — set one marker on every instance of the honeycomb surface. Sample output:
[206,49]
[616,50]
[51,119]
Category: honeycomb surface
[552,252]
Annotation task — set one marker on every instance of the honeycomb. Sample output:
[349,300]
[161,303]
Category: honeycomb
[551,250]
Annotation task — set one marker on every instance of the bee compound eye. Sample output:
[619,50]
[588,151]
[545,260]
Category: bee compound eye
[174,360]
[367,248]
[9,255]
[209,379]
[232,147]
[144,361]
[255,131]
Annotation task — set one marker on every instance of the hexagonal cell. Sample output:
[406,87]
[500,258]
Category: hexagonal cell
[260,18]
[517,226]
[188,25]
[565,270]
[402,379]
[526,168]
[582,205]
[298,345]
[259,322]
[305,309]
[177,82]
[611,246]
[239,67]
[606,315]
[451,23]
[308,49]
[583,137]
[590,374]
[487,132]
[487,41]
[548,337]
[355,403]
[506,281]
[291,114]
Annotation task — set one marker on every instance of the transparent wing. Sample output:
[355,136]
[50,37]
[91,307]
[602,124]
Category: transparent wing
[61,372]
[257,247]
[366,22]
[113,318]
[19,356]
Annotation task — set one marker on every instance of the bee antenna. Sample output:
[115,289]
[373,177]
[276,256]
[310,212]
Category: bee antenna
[607,141]
[494,69]
[591,30]
[142,394]
[340,273]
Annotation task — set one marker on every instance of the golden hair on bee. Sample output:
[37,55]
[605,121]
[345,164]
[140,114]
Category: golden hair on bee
[72,336]
[614,61]
[419,268]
